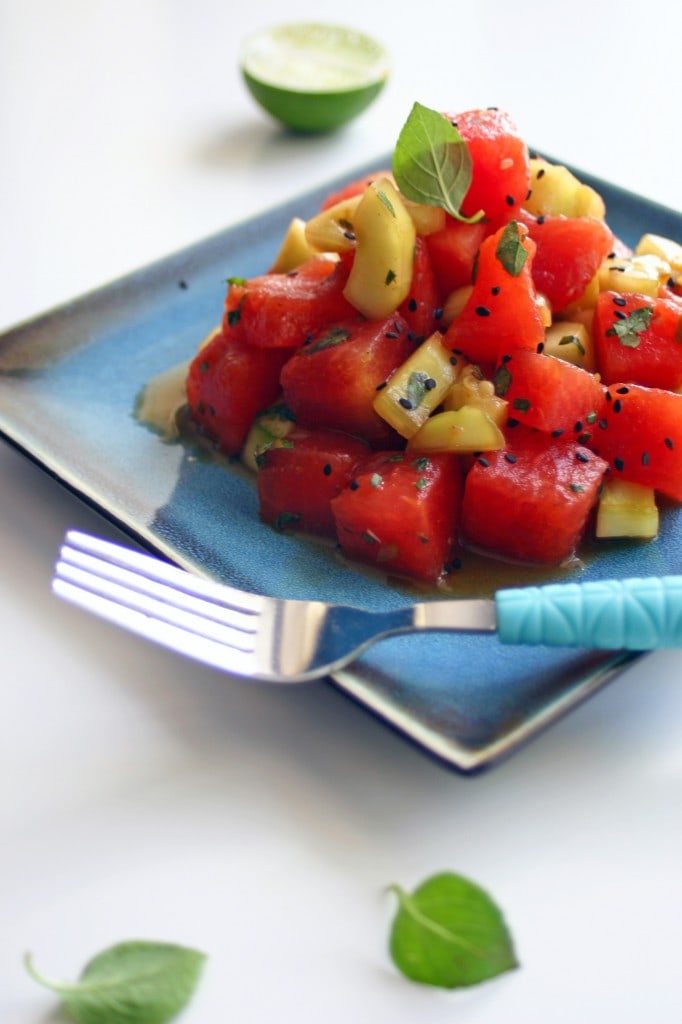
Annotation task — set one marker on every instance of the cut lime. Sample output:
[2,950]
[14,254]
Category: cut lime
[313,77]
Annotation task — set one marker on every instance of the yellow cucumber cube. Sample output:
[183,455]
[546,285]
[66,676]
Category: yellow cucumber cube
[471,388]
[555,190]
[332,230]
[643,274]
[381,275]
[269,428]
[626,509]
[571,341]
[463,431]
[426,219]
[417,387]
[294,250]
[665,249]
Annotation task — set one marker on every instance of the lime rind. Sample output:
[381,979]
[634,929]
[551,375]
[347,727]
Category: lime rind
[311,76]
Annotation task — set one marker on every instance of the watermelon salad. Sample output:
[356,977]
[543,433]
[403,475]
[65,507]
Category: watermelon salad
[454,354]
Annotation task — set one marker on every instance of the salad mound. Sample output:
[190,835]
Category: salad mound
[455,353]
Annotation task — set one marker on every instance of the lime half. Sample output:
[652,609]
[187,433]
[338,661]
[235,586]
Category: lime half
[313,77]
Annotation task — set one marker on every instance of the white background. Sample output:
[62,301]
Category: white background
[143,796]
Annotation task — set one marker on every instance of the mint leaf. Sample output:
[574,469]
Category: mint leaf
[510,251]
[136,982]
[449,933]
[630,327]
[431,162]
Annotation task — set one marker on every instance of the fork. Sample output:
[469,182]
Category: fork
[290,641]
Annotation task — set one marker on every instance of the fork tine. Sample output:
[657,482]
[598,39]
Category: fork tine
[201,620]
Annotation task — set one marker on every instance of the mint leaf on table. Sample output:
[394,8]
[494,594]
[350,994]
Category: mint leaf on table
[135,982]
[431,162]
[449,933]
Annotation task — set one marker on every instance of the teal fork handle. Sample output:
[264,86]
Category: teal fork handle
[630,614]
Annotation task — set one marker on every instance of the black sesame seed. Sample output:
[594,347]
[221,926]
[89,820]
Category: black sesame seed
[645,458]
[540,173]
[622,391]
[482,311]
[540,219]
[618,300]
[353,485]
[617,405]
[578,427]
[429,384]
[327,469]
[619,315]
[582,456]
[618,463]
[603,424]
[557,433]
[381,386]
[437,313]
[668,442]
[540,347]
[512,422]
[509,200]
[412,305]
[405,402]
[495,289]
[510,457]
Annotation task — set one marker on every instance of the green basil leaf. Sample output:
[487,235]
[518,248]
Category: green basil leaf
[135,982]
[449,933]
[510,250]
[630,327]
[431,162]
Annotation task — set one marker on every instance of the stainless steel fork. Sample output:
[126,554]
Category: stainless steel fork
[280,640]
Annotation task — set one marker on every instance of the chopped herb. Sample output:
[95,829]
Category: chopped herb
[390,277]
[522,404]
[369,537]
[573,339]
[421,483]
[416,388]
[386,201]
[510,251]
[629,329]
[334,336]
[286,519]
[502,380]
[376,479]
[241,281]
[421,463]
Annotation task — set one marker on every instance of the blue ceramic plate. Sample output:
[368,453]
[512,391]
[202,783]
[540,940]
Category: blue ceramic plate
[69,384]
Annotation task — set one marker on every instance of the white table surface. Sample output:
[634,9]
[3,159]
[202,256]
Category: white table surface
[141,796]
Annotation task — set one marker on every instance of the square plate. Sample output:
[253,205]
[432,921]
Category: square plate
[70,381]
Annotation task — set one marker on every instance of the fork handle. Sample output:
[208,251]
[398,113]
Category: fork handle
[630,614]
